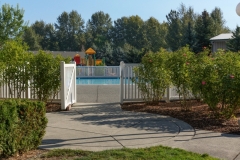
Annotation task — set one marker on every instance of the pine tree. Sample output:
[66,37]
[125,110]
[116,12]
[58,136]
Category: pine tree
[204,31]
[234,43]
[189,37]
[174,35]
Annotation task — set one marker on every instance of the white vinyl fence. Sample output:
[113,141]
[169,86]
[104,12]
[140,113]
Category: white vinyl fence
[129,90]
[16,89]
[28,93]
[66,96]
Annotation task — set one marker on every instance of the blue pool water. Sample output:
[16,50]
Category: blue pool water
[100,81]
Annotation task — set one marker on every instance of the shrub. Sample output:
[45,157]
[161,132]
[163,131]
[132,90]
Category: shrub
[152,76]
[202,63]
[22,126]
[218,82]
[179,66]
[15,59]
[46,74]
[8,128]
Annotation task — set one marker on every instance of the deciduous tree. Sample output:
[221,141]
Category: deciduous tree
[12,24]
[70,31]
[32,39]
[218,22]
[155,35]
[47,34]
[98,29]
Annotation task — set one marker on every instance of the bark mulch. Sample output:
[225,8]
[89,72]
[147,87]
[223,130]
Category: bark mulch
[199,116]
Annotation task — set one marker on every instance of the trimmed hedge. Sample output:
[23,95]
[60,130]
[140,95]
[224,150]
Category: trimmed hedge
[22,126]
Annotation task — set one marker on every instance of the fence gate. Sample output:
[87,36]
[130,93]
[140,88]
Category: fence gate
[128,89]
[68,84]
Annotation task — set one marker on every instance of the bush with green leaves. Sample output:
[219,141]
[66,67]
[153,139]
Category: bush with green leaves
[218,82]
[22,126]
[213,79]
[202,61]
[15,59]
[179,66]
[152,76]
[22,69]
[46,74]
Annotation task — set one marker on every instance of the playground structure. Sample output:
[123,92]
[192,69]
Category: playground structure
[89,59]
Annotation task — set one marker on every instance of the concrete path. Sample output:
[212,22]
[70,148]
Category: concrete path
[97,127]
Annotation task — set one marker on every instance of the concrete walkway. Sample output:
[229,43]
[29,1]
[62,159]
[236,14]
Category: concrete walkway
[97,127]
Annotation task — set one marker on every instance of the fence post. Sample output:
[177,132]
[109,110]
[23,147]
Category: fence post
[28,91]
[168,94]
[121,81]
[74,84]
[63,91]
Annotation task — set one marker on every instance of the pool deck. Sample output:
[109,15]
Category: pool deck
[98,93]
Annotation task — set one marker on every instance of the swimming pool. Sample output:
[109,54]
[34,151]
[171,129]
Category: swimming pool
[100,81]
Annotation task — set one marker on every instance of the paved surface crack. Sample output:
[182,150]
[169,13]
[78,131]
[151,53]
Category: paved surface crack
[179,130]
[117,141]
[237,156]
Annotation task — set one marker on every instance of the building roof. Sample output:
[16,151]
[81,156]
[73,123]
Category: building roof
[64,53]
[223,36]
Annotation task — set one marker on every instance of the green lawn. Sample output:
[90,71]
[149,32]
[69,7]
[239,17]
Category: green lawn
[159,152]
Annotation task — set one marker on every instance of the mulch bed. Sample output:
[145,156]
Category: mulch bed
[199,116]
[53,107]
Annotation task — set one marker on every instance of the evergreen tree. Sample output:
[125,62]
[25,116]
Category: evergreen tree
[189,37]
[234,43]
[204,31]
[188,19]
[174,35]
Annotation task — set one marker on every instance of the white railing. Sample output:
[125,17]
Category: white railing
[129,90]
[68,85]
[97,71]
